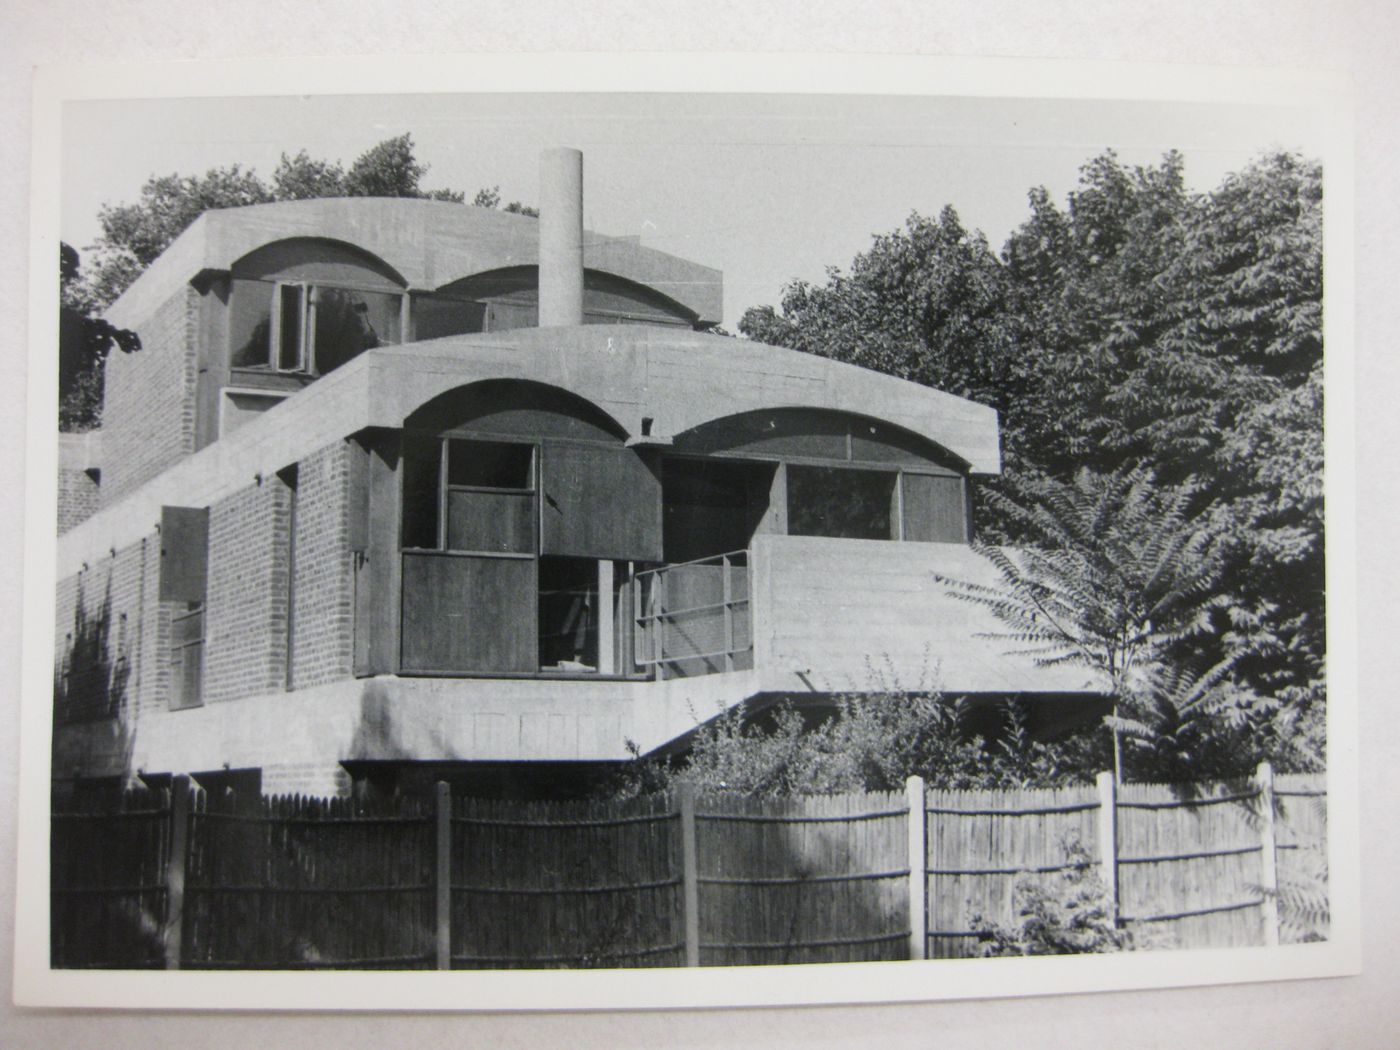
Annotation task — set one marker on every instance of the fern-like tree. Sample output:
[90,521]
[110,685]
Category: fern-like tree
[1114,573]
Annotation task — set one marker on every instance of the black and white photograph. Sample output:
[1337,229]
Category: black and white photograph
[727,535]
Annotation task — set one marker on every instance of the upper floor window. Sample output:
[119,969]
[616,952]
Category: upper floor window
[308,328]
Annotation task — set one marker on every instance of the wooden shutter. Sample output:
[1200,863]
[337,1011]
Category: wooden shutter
[935,509]
[600,502]
[184,553]
[463,614]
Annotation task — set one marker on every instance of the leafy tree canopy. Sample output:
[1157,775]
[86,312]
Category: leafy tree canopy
[134,234]
[1136,327]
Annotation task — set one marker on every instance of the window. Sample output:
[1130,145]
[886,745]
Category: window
[187,656]
[308,328]
[435,317]
[184,568]
[482,498]
[839,502]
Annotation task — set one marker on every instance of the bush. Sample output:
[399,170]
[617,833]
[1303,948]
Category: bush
[868,742]
[1061,913]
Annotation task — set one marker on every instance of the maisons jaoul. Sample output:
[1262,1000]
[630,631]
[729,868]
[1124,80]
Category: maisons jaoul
[401,489]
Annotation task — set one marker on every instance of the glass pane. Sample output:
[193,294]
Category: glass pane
[289,357]
[568,614]
[350,322]
[490,464]
[435,318]
[250,323]
[850,504]
[421,456]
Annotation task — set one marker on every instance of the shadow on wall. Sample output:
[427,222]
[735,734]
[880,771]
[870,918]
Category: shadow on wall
[93,735]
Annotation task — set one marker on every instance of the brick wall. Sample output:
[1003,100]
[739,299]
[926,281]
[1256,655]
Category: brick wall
[109,659]
[245,648]
[148,412]
[78,497]
[322,619]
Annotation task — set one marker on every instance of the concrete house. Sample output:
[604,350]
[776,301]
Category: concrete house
[403,489]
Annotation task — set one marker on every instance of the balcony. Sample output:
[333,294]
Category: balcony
[694,618]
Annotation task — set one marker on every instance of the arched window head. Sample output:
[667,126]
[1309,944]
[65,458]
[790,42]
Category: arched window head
[307,306]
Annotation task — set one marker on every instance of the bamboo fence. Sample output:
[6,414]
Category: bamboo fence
[178,879]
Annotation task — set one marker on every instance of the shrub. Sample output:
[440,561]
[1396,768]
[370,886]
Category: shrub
[1067,912]
[868,742]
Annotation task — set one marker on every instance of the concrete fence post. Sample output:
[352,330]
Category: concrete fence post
[918,867]
[442,883]
[175,868]
[1268,854]
[1108,839]
[690,880]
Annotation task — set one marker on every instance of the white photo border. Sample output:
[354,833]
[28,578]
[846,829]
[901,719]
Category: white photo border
[36,984]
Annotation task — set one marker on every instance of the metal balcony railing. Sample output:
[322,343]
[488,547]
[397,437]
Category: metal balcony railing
[693,618]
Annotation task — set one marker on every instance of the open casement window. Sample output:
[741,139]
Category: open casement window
[184,572]
[307,328]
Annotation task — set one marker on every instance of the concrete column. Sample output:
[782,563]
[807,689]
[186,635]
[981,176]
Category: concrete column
[561,237]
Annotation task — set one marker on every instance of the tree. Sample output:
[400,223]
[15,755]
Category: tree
[1116,573]
[133,235]
[926,303]
[84,342]
[1138,326]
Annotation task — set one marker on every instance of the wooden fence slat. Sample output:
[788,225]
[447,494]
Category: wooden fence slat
[918,867]
[1268,855]
[690,885]
[175,872]
[443,882]
[1108,839]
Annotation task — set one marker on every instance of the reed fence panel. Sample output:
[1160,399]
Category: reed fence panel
[980,842]
[818,879]
[1301,801]
[720,880]
[565,884]
[1190,864]
[295,882]
[107,877]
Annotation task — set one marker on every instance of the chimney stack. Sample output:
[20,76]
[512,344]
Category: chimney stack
[561,237]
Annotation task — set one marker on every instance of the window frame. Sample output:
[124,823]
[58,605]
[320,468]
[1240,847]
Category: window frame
[306,365]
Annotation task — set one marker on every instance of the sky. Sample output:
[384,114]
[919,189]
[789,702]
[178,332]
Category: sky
[767,188]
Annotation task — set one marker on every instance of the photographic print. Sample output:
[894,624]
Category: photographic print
[700,532]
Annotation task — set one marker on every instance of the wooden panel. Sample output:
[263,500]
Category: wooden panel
[935,509]
[600,502]
[377,611]
[500,522]
[357,497]
[184,553]
[502,316]
[468,614]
